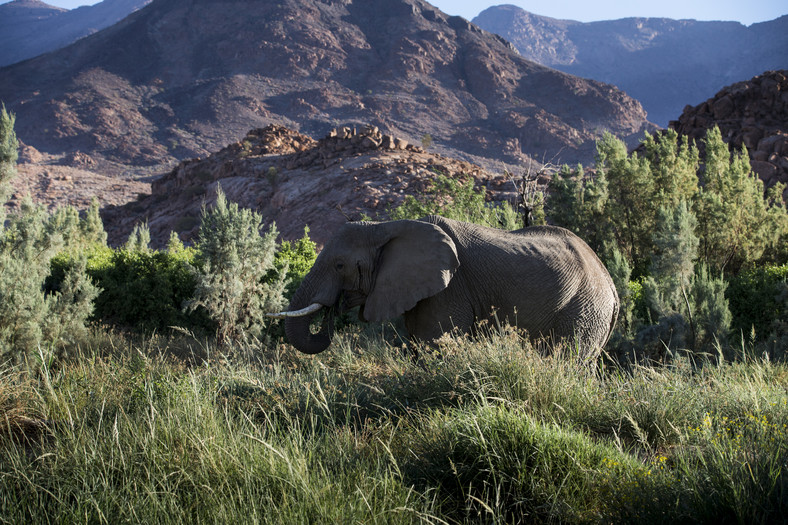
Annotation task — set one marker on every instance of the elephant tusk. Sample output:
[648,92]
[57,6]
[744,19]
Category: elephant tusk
[312,308]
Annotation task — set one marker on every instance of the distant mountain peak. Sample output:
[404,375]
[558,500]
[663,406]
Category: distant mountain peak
[29,27]
[30,4]
[648,58]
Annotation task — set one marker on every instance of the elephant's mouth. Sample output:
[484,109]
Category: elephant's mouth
[351,299]
[310,329]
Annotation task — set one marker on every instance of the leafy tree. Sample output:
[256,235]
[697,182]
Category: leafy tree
[630,207]
[621,272]
[686,308]
[674,168]
[91,228]
[174,244]
[80,233]
[680,220]
[666,290]
[578,201]
[672,264]
[712,316]
[72,305]
[235,258]
[736,224]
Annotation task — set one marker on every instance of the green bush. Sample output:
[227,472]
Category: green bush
[145,289]
[754,300]
[680,220]
[296,258]
[620,203]
[463,202]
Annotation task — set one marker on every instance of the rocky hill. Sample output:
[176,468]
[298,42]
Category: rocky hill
[663,63]
[294,180]
[182,78]
[754,114]
[29,28]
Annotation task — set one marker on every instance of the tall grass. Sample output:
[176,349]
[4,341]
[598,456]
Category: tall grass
[476,431]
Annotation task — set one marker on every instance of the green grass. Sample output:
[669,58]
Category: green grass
[489,431]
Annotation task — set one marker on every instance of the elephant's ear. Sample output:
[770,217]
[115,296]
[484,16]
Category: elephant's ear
[418,261]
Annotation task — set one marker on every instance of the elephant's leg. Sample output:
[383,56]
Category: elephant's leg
[432,317]
[584,337]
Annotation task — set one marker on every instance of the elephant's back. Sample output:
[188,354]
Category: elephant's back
[549,276]
[595,298]
[585,289]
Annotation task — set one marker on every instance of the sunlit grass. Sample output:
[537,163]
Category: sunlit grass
[170,430]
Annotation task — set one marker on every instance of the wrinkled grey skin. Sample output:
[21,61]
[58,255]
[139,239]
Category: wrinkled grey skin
[443,274]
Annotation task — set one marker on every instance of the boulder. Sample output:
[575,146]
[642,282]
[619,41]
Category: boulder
[751,114]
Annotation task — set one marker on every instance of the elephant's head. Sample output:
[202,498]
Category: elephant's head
[385,268]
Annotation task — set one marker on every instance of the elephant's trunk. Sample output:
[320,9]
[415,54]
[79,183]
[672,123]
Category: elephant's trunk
[297,329]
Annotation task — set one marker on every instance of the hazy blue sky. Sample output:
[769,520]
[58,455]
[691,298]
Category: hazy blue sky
[744,11]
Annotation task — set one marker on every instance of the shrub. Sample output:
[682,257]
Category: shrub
[678,219]
[234,259]
[295,259]
[577,201]
[139,238]
[463,202]
[737,226]
[8,148]
[672,263]
[35,320]
[144,290]
[755,304]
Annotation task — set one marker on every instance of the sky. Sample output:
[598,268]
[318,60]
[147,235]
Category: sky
[744,11]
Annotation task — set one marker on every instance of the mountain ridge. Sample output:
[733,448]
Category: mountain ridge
[664,63]
[181,79]
[29,28]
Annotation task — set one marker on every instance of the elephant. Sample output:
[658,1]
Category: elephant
[441,274]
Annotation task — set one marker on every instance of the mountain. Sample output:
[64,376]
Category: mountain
[29,27]
[182,78]
[751,114]
[665,64]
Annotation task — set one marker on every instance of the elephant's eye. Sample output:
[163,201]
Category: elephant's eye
[340,266]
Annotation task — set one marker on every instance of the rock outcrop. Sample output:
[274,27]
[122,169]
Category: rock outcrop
[296,181]
[753,114]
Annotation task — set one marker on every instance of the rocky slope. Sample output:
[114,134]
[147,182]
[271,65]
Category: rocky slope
[754,114]
[68,180]
[663,63]
[181,78]
[29,28]
[294,180]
